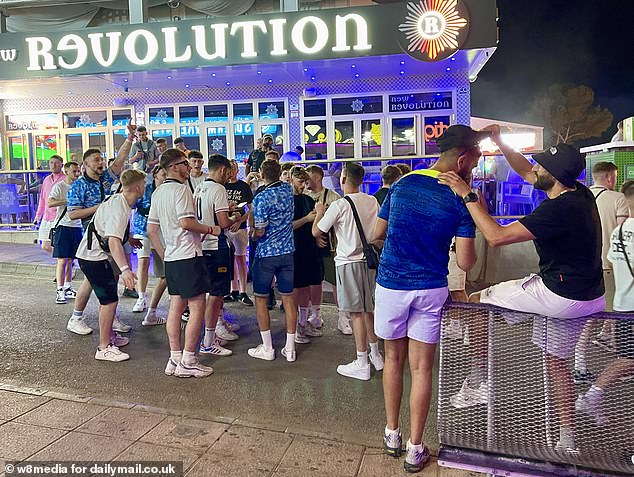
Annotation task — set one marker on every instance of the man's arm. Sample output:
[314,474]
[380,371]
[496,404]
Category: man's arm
[122,155]
[116,250]
[320,211]
[82,213]
[516,160]
[495,234]
[153,235]
[380,230]
[52,202]
[466,255]
[308,218]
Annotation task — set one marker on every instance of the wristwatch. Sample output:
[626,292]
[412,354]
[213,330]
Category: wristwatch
[470,197]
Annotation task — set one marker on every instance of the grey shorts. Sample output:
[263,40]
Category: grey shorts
[158,266]
[355,287]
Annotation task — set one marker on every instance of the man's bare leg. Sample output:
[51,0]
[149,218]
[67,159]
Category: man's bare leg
[395,354]
[421,362]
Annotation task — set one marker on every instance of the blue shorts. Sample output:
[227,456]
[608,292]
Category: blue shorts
[66,241]
[265,268]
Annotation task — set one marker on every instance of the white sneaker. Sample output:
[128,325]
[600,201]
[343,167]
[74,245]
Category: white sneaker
[120,326]
[261,353]
[78,326]
[170,369]
[316,321]
[289,355]
[592,408]
[70,293]
[312,331]
[453,330]
[415,459]
[215,349]
[300,336]
[223,333]
[354,370]
[60,297]
[140,305]
[235,327]
[343,324]
[117,340]
[111,353]
[377,361]
[468,396]
[192,370]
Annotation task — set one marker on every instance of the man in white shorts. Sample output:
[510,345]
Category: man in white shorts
[566,231]
[45,215]
[173,212]
[418,220]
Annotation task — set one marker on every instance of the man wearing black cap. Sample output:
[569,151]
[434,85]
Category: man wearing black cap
[418,219]
[257,157]
[566,231]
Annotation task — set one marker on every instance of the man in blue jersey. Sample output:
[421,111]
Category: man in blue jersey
[418,221]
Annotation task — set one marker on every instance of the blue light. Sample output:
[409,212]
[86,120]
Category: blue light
[228,83]
[147,87]
[125,80]
[354,66]
[401,72]
[356,75]
[270,80]
[402,62]
[186,86]
[169,77]
[453,59]
[305,70]
[259,72]
[312,78]
[448,69]
[213,74]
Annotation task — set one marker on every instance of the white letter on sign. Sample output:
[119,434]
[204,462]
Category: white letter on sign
[170,47]
[219,39]
[297,35]
[278,36]
[129,47]
[248,36]
[95,44]
[40,46]
[342,33]
[70,43]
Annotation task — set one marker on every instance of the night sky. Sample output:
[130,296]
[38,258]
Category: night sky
[543,42]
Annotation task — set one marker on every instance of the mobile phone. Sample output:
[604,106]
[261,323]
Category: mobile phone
[241,205]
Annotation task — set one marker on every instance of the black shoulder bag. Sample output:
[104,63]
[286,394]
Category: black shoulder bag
[371,256]
[53,231]
[103,242]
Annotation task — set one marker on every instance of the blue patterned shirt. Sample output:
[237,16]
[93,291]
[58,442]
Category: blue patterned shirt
[142,206]
[273,210]
[86,192]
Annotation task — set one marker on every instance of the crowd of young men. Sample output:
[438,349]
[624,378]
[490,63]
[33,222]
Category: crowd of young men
[300,234]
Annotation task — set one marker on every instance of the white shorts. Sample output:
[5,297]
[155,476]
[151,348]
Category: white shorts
[240,240]
[457,278]
[557,329]
[45,229]
[412,313]
[146,249]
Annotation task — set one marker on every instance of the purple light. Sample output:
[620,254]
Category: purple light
[401,72]
[228,83]
[147,87]
[402,62]
[448,69]
[259,72]
[125,80]
[312,78]
[353,66]
[356,75]
[270,81]
[187,86]
[305,69]
[169,77]
[213,74]
[453,59]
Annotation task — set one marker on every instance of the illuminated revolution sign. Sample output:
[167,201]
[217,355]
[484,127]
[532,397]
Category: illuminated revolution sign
[414,27]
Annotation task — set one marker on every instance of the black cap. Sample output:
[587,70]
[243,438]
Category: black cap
[460,136]
[178,140]
[563,162]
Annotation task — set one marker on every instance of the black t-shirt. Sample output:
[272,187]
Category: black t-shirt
[381,194]
[305,244]
[239,192]
[567,234]
[256,158]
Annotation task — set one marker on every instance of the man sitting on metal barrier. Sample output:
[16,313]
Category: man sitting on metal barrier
[566,231]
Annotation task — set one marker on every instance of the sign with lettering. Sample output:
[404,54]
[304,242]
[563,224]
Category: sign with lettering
[256,39]
[420,101]
[432,130]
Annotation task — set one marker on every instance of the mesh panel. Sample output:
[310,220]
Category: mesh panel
[523,386]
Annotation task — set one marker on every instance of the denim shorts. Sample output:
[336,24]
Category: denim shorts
[265,268]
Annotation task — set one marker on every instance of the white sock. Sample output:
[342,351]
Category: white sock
[343,316]
[417,447]
[302,318]
[67,285]
[374,348]
[362,358]
[595,393]
[210,334]
[189,357]
[142,295]
[390,431]
[176,356]
[315,310]
[580,362]
[290,341]
[151,311]
[266,339]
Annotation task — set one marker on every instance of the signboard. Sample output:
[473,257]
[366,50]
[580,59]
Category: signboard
[432,130]
[428,30]
[420,102]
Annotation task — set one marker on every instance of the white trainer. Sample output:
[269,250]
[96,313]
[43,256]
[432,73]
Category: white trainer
[192,370]
[300,336]
[289,355]
[215,349]
[140,305]
[70,293]
[343,324]
[111,353]
[60,297]
[470,396]
[592,408]
[235,327]
[377,361]
[261,353]
[223,333]
[78,326]
[316,321]
[170,369]
[117,340]
[355,370]
[120,326]
[312,331]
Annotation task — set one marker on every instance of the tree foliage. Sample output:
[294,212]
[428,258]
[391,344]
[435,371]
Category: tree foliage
[569,112]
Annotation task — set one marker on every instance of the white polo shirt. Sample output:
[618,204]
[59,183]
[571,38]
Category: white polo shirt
[211,198]
[110,220]
[58,192]
[171,202]
[612,206]
[624,294]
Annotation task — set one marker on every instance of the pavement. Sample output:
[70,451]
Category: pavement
[250,418]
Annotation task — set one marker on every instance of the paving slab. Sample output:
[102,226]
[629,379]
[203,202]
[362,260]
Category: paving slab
[243,442]
[194,434]
[65,415]
[77,446]
[312,457]
[218,465]
[19,441]
[145,452]
[15,404]
[122,423]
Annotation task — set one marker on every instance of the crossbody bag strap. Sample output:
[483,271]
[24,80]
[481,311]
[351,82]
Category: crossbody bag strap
[357,221]
[600,192]
[60,217]
[627,259]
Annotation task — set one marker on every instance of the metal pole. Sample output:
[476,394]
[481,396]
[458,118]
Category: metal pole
[138,11]
[3,20]
[289,5]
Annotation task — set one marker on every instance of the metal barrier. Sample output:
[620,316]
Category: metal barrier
[527,394]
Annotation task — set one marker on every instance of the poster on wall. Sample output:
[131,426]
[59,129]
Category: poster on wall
[433,128]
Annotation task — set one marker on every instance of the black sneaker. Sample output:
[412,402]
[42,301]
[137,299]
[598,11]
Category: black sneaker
[244,299]
[185,315]
[282,307]
[583,377]
[233,296]
[270,304]
[130,293]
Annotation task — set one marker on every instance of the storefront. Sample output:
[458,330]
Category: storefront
[371,83]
